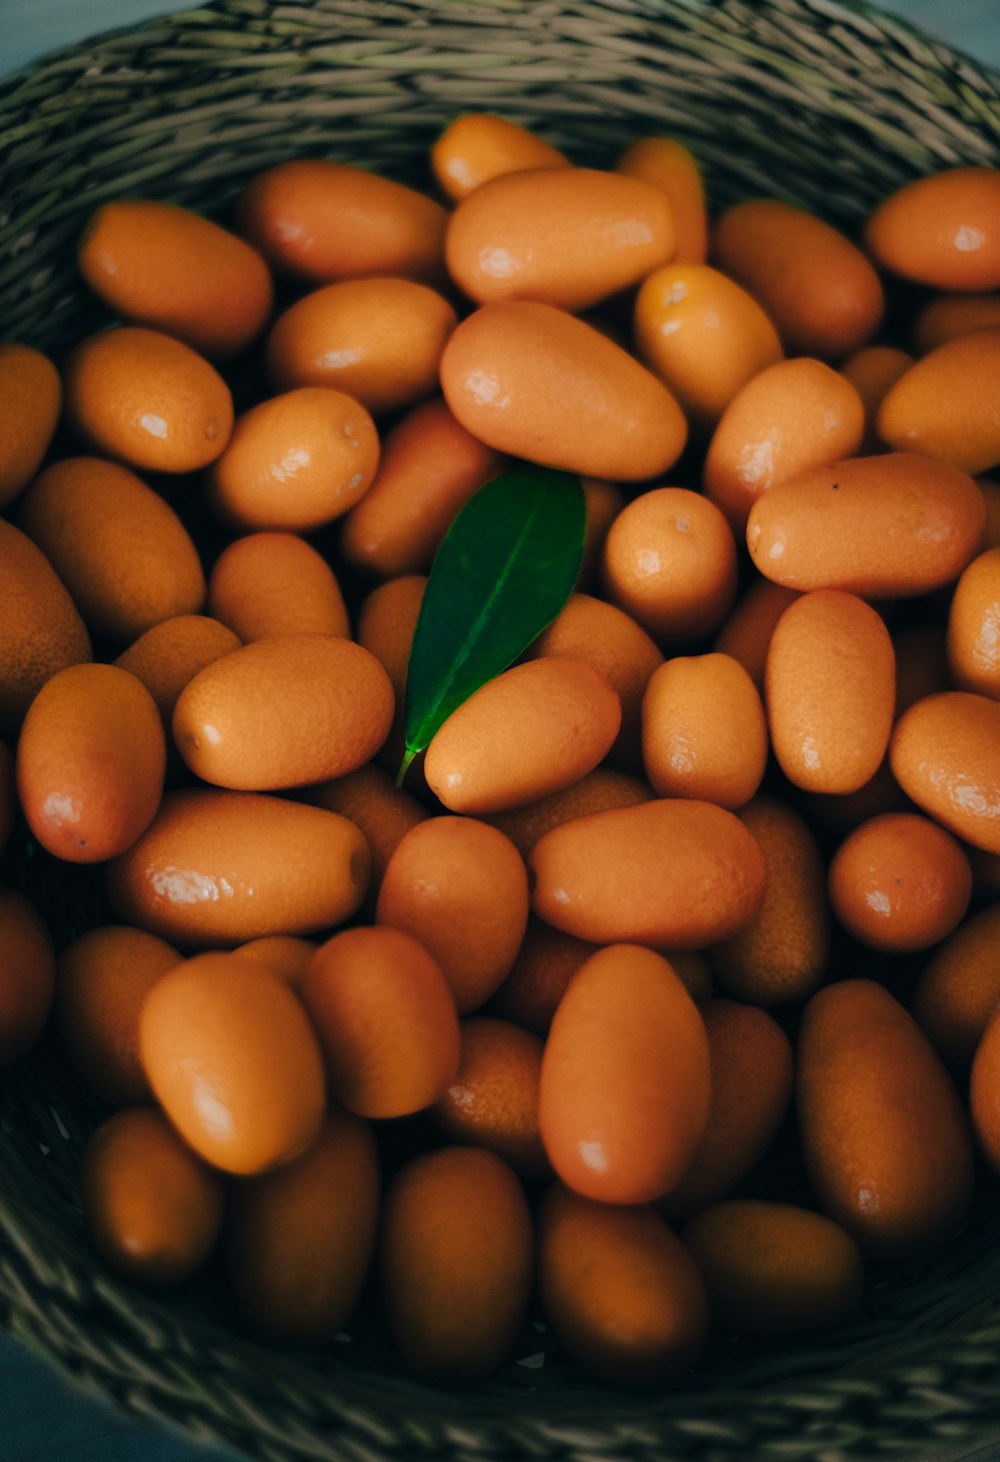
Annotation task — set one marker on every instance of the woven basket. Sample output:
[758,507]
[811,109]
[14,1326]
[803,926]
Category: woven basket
[824,104]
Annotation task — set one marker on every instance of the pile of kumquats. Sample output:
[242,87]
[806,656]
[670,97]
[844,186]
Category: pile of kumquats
[580,940]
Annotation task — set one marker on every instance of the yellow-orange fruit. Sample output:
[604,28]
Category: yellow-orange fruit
[793,416]
[830,688]
[31,391]
[843,811]
[102,982]
[597,792]
[619,1288]
[492,1101]
[233,1062]
[479,146]
[750,1059]
[943,230]
[326,220]
[944,405]
[536,728]
[456,1261]
[703,335]
[148,399]
[991,497]
[873,371]
[568,237]
[890,527]
[984,1094]
[959,989]
[604,502]
[377,340]
[921,664]
[284,712]
[41,631]
[386,622]
[152,1209]
[429,469]
[883,1133]
[546,962]
[295,462]
[162,266]
[899,883]
[818,287]
[121,551]
[670,562]
[670,872]
[703,731]
[285,955]
[384,812]
[219,868]
[625,1083]
[945,754]
[299,1240]
[459,887]
[774,1269]
[669,165]
[746,633]
[90,763]
[27,975]
[951,315]
[172,653]
[8,794]
[974,627]
[533,381]
[275,584]
[620,650]
[385,1019]
[782,953]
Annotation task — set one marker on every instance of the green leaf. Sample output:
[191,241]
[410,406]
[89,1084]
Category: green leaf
[505,570]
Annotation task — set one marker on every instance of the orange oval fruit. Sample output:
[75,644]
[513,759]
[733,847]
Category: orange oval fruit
[546,962]
[596,792]
[27,975]
[943,406]
[873,371]
[942,230]
[604,502]
[745,635]
[492,1100]
[959,989]
[703,731]
[31,391]
[479,146]
[170,654]
[974,627]
[41,631]
[275,584]
[951,315]
[285,955]
[371,800]
[945,754]
[668,164]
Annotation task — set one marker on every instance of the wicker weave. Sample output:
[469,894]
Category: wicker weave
[808,99]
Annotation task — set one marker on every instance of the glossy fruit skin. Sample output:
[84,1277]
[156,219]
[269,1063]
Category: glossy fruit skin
[568,237]
[299,1240]
[158,265]
[670,562]
[830,689]
[782,953]
[873,371]
[377,340]
[601,877]
[951,315]
[275,584]
[102,982]
[959,989]
[883,1133]
[818,288]
[546,962]
[41,631]
[384,812]
[460,888]
[153,1210]
[32,395]
[604,502]
[619,1288]
[974,627]
[942,230]
[625,1084]
[890,527]
[284,712]
[148,400]
[172,653]
[429,469]
[746,633]
[531,380]
[325,220]
[492,1101]
[27,975]
[285,955]
[750,1060]
[456,1261]
[774,1269]
[703,731]
[792,416]
[219,868]
[90,763]
[703,335]
[479,146]
[669,165]
[900,883]
[597,792]
[944,404]
[945,754]
[535,729]
[984,1094]
[385,1019]
[233,1062]
[121,551]
[295,462]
